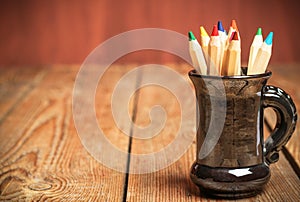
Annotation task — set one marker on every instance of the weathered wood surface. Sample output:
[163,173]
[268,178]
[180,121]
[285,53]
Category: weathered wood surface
[41,156]
[172,183]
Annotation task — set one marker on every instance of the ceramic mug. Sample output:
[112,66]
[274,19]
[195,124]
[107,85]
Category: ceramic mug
[236,163]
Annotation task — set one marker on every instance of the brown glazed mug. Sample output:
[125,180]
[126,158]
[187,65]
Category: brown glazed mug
[232,157]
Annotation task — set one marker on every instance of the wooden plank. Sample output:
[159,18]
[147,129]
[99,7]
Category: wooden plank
[41,156]
[287,78]
[173,183]
[15,84]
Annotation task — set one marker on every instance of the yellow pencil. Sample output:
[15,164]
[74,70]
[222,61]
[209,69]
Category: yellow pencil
[233,60]
[214,52]
[255,46]
[263,56]
[204,42]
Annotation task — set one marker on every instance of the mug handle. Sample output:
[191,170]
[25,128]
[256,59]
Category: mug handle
[286,115]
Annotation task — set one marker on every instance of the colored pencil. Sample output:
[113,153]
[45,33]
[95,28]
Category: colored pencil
[223,37]
[263,56]
[229,36]
[256,44]
[233,28]
[222,32]
[221,28]
[204,42]
[214,52]
[233,65]
[197,55]
[220,54]
[224,69]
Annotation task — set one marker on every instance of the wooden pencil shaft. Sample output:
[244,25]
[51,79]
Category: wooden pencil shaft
[255,46]
[204,41]
[197,57]
[234,58]
[223,50]
[262,60]
[234,63]
[224,68]
[260,65]
[214,52]
[252,56]
[214,62]
[205,52]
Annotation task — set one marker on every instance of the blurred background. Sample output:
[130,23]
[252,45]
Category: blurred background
[35,32]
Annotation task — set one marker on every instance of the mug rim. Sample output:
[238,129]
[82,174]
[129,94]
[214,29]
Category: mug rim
[266,74]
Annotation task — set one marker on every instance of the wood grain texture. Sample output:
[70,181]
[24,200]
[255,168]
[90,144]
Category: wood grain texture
[173,183]
[15,84]
[42,158]
[41,155]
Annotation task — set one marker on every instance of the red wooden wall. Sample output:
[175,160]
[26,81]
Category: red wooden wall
[66,31]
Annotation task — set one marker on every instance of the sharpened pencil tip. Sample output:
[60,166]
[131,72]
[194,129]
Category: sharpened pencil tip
[220,26]
[233,25]
[235,36]
[203,31]
[191,36]
[259,32]
[269,39]
[215,31]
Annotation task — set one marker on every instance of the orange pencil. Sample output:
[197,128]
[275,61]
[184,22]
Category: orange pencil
[233,28]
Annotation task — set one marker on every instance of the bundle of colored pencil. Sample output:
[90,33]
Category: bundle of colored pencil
[220,54]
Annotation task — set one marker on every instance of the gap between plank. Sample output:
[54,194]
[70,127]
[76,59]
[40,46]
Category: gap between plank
[134,113]
[286,153]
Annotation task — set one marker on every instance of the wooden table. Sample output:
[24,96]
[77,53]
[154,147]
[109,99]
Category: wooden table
[41,156]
